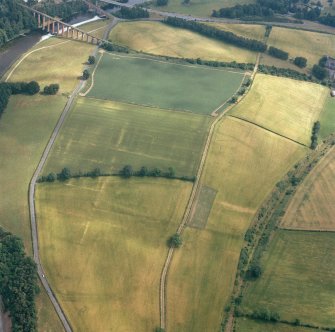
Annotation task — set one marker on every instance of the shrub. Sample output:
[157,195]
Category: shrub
[64,175]
[86,74]
[300,61]
[278,53]
[127,171]
[91,59]
[254,272]
[319,72]
[162,2]
[51,177]
[174,241]
[51,89]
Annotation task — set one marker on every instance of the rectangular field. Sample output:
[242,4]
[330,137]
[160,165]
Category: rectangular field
[103,245]
[312,207]
[283,105]
[298,278]
[243,165]
[161,39]
[110,135]
[149,82]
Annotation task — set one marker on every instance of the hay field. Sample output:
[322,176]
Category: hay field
[200,7]
[160,39]
[327,118]
[248,325]
[114,232]
[253,31]
[312,207]
[111,135]
[243,165]
[298,278]
[283,105]
[311,45]
[149,82]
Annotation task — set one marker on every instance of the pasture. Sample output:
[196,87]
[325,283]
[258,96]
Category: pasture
[114,232]
[283,105]
[298,278]
[110,135]
[243,165]
[298,43]
[327,118]
[312,207]
[200,7]
[145,81]
[160,39]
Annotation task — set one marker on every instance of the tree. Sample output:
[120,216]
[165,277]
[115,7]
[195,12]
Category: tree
[162,2]
[51,89]
[32,88]
[319,72]
[278,53]
[86,74]
[254,272]
[170,173]
[174,241]
[143,171]
[127,171]
[51,177]
[91,59]
[64,175]
[300,61]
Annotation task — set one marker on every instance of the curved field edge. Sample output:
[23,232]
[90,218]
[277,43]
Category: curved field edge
[114,232]
[160,39]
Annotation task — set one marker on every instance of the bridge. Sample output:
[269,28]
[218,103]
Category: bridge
[61,29]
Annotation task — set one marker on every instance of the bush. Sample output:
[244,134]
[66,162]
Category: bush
[133,12]
[64,175]
[51,177]
[91,59]
[300,61]
[278,53]
[86,74]
[32,88]
[162,2]
[254,272]
[319,72]
[51,89]
[174,241]
[127,171]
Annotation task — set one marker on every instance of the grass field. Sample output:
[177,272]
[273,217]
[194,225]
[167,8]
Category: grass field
[327,118]
[298,43]
[253,31]
[286,106]
[111,135]
[162,84]
[249,325]
[312,207]
[298,278]
[160,39]
[114,233]
[200,7]
[243,165]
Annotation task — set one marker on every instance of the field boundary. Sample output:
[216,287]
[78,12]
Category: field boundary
[269,130]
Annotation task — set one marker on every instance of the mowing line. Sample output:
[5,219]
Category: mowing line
[191,203]
[271,131]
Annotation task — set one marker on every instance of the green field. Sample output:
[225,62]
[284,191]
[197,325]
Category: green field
[283,105]
[298,278]
[160,39]
[311,45]
[243,165]
[327,118]
[249,325]
[200,7]
[198,89]
[113,232]
[111,135]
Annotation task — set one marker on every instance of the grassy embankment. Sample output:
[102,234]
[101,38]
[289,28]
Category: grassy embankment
[160,39]
[244,163]
[25,129]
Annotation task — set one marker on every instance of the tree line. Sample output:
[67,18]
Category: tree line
[18,283]
[212,32]
[133,12]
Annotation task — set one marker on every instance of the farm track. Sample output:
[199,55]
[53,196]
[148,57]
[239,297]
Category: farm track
[190,205]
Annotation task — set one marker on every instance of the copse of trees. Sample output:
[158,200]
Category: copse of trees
[18,283]
[278,53]
[212,32]
[51,89]
[300,61]
[133,12]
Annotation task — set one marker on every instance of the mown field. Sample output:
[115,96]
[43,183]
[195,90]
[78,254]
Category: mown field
[110,135]
[200,7]
[160,39]
[285,106]
[327,118]
[243,165]
[298,278]
[162,84]
[253,31]
[114,232]
[312,207]
[249,325]
[298,43]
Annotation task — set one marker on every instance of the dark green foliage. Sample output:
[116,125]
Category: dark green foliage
[114,48]
[127,171]
[64,175]
[212,32]
[32,88]
[328,20]
[319,72]
[171,173]
[134,12]
[315,134]
[18,283]
[323,61]
[268,30]
[300,61]
[86,74]
[174,241]
[266,315]
[233,99]
[278,53]
[162,2]
[5,92]
[51,89]
[143,171]
[159,329]
[254,272]
[91,59]
[51,177]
